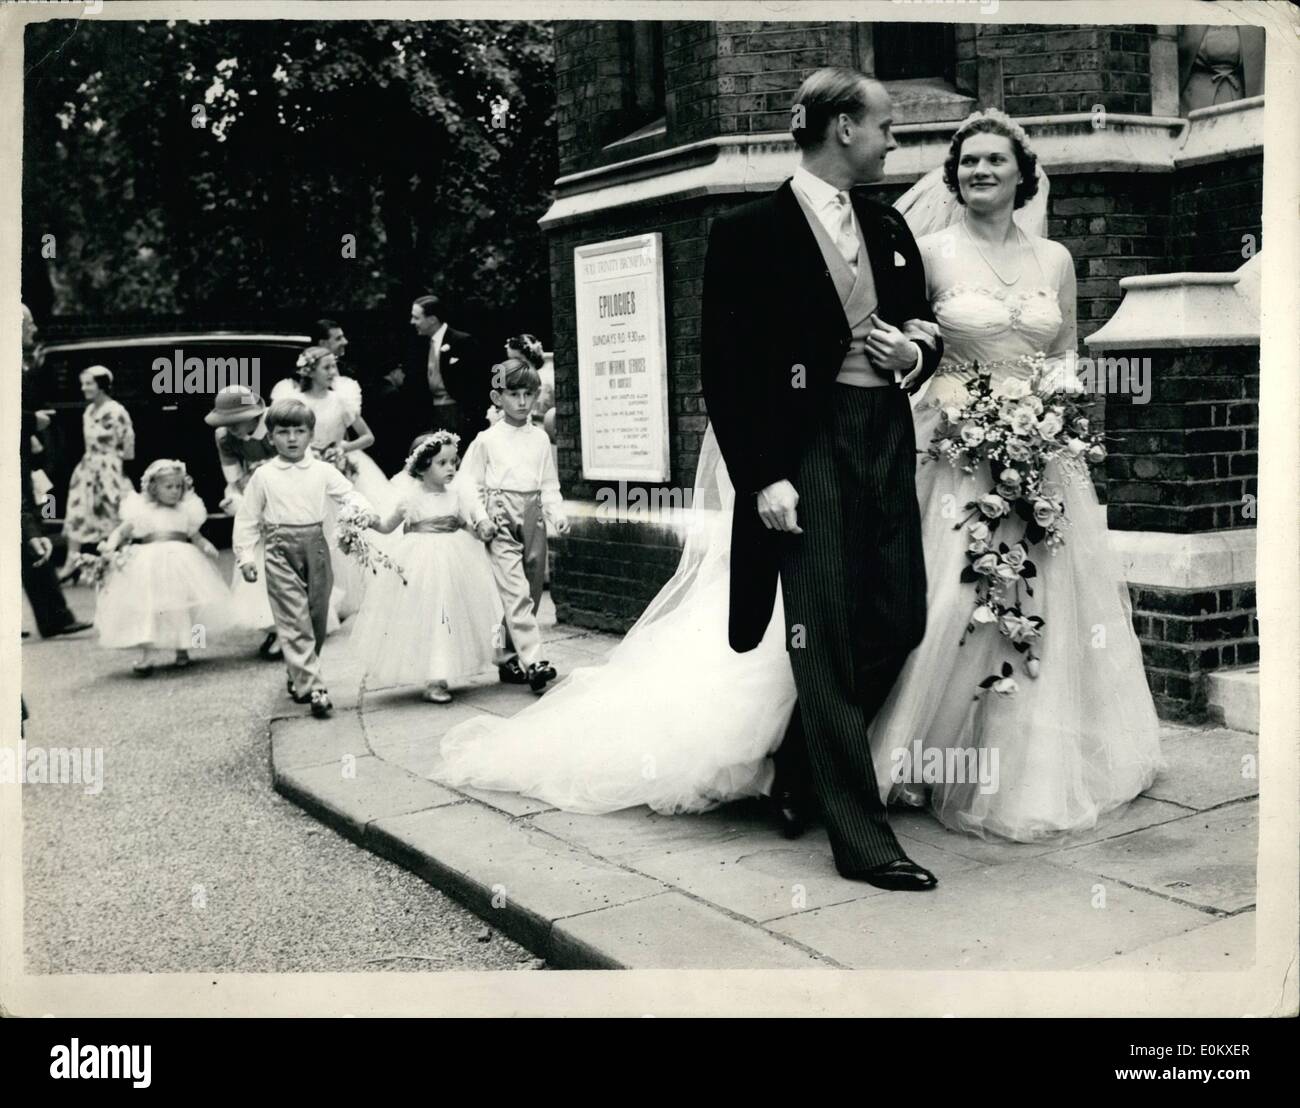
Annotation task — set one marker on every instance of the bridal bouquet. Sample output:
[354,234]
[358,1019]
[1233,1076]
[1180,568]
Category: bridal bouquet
[353,522]
[339,458]
[1017,428]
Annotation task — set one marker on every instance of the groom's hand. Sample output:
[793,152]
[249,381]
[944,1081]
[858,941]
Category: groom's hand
[888,348]
[776,507]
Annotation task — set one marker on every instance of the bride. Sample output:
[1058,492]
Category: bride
[678,721]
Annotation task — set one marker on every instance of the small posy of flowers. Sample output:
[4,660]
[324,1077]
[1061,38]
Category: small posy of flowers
[339,458]
[1012,431]
[353,522]
[94,569]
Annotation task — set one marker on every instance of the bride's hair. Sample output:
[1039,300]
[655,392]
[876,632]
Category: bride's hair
[994,122]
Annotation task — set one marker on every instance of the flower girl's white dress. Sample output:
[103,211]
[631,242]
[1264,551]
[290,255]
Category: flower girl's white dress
[441,624]
[164,589]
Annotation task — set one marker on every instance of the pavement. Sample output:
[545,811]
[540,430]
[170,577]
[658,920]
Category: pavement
[1168,883]
[187,861]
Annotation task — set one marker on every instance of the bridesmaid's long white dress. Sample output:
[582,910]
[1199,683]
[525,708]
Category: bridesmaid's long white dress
[678,721]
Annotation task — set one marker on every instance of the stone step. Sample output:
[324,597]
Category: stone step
[1234,698]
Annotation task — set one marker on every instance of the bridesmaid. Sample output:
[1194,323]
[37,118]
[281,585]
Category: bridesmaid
[98,482]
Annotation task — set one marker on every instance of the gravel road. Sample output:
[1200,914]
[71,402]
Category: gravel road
[187,861]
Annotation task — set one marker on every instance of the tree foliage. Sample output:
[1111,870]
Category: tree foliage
[216,168]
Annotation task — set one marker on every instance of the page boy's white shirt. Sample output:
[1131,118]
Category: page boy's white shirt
[514,458]
[281,491]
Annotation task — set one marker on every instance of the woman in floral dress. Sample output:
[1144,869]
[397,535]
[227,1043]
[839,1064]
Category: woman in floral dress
[98,483]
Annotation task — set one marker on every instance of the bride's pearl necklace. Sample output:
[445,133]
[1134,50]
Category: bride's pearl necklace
[996,273]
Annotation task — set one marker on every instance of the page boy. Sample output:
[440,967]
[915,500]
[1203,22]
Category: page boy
[285,502]
[510,465]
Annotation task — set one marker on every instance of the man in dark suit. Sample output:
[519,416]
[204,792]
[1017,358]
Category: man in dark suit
[814,332]
[40,580]
[449,380]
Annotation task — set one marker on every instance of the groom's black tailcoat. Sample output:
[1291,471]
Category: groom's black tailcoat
[770,312]
[774,337]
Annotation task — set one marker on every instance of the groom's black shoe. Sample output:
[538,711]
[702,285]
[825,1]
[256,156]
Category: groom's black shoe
[788,811]
[901,876]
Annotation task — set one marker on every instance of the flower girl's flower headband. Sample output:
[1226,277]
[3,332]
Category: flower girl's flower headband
[431,443]
[163,467]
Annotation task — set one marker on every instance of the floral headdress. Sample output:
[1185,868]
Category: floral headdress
[309,359]
[531,348]
[163,467]
[429,444]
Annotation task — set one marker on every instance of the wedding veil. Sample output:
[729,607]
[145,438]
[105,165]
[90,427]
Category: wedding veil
[930,206]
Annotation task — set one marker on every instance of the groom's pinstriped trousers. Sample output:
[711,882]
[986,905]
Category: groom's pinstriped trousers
[853,586]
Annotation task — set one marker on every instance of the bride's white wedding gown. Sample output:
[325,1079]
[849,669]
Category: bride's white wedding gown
[678,721]
[674,719]
[1082,738]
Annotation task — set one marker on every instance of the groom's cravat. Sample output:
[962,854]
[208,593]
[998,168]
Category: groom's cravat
[846,236]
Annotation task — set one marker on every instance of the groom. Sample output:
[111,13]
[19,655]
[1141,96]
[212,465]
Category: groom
[806,376]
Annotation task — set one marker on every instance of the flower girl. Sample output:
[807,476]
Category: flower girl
[158,586]
[435,622]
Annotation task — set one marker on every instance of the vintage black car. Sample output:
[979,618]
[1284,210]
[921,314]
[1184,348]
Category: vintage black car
[166,382]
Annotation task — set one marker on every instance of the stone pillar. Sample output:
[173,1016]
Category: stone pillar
[1179,364]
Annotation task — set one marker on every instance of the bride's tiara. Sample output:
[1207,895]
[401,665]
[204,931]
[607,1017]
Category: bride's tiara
[996,115]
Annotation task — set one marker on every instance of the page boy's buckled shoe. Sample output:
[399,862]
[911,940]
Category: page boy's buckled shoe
[539,673]
[321,706]
[512,673]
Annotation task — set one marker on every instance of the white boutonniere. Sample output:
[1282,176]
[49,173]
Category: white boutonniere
[445,347]
[899,260]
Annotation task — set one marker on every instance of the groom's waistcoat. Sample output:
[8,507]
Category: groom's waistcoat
[857,293]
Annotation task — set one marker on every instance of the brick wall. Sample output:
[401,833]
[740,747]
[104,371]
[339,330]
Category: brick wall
[591,95]
[1030,69]
[604,573]
[761,66]
[1187,461]
[1176,465]
[1214,206]
[1188,634]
